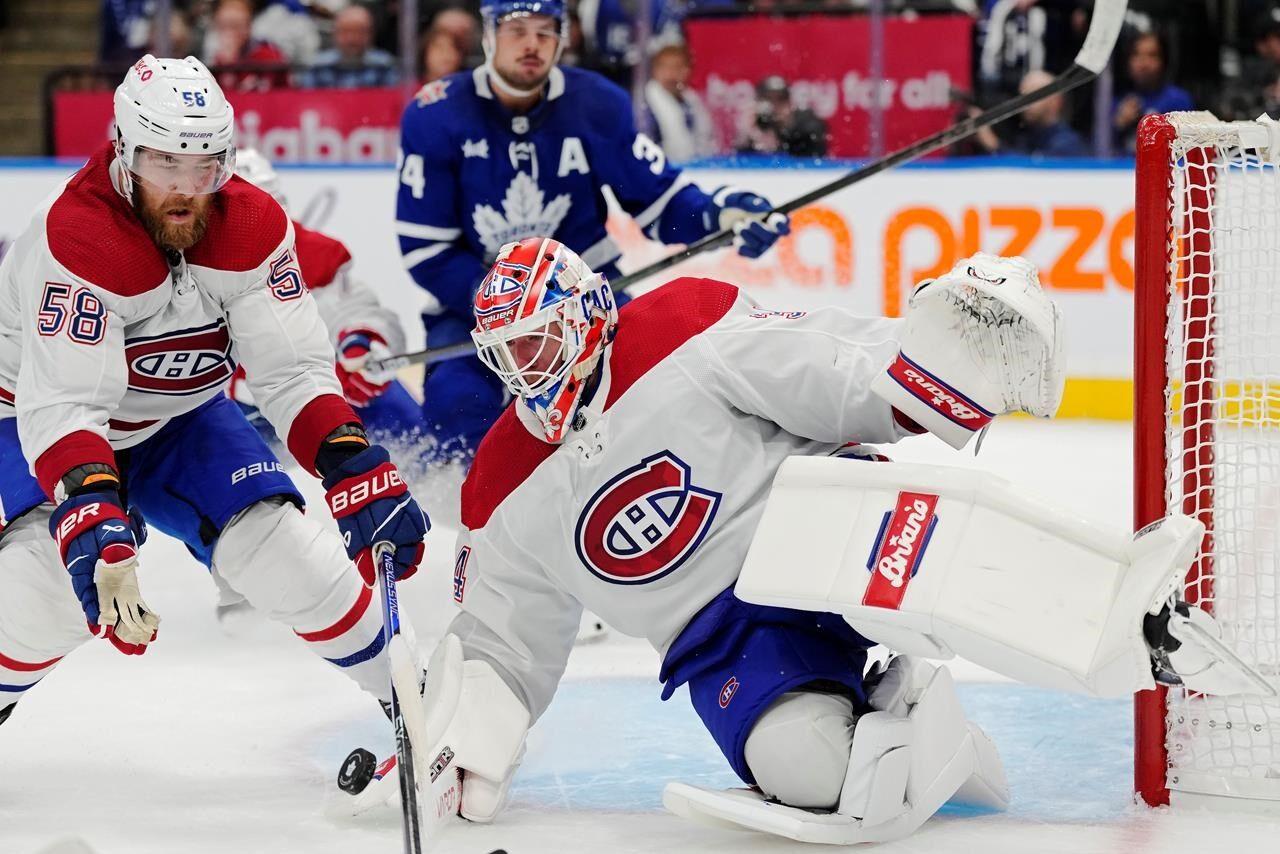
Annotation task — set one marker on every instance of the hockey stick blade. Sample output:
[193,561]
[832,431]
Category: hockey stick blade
[1099,42]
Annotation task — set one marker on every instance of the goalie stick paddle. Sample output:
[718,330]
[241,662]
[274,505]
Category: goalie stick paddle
[384,554]
[1104,30]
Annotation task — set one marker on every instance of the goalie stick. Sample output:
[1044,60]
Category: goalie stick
[1104,30]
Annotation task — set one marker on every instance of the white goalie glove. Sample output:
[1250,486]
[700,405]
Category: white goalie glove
[980,341]
[469,720]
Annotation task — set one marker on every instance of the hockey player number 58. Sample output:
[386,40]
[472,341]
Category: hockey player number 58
[86,314]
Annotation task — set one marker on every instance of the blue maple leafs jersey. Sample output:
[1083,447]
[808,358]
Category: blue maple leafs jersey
[474,176]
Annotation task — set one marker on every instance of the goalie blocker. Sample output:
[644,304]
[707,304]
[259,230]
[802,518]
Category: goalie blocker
[937,562]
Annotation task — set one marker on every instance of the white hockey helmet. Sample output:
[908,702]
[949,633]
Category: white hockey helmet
[255,168]
[174,127]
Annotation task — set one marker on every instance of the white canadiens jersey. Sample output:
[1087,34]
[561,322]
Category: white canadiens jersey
[103,337]
[645,512]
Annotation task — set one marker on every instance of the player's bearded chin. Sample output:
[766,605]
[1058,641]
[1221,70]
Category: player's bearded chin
[174,221]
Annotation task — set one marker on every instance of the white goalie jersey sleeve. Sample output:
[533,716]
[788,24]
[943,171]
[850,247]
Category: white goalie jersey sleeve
[513,617]
[806,371]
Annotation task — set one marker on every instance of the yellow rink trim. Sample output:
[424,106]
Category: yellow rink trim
[1245,404]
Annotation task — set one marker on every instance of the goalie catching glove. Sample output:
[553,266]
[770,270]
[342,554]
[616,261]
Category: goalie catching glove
[980,341]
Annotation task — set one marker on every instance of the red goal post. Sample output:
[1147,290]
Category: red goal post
[1207,434]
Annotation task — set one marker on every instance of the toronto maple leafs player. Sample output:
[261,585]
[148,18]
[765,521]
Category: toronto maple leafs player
[361,328]
[124,307]
[522,147]
[630,475]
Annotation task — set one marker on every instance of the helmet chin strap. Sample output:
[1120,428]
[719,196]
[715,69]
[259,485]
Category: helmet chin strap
[499,82]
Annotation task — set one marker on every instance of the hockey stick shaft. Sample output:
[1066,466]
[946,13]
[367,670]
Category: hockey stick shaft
[384,558]
[1104,29]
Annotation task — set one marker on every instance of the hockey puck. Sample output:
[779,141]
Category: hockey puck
[357,770]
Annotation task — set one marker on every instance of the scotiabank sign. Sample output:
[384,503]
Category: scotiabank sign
[288,126]
[827,61]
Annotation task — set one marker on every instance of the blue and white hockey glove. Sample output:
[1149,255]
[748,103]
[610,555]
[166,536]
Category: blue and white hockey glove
[755,225]
[371,504]
[98,542]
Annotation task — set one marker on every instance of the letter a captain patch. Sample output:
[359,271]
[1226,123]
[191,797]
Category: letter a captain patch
[899,547]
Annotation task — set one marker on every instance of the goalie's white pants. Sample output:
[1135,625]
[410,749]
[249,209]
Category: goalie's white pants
[287,565]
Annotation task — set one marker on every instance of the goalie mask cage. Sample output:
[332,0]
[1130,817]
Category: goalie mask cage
[1207,435]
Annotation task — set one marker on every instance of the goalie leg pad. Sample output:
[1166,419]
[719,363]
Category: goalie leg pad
[907,759]
[294,569]
[939,561]
[760,655]
[798,751]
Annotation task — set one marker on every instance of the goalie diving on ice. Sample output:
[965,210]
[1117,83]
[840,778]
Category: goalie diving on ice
[692,469]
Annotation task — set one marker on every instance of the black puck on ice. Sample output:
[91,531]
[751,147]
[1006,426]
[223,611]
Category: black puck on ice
[357,770]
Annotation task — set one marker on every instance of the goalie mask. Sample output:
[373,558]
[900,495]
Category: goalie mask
[173,128]
[543,321]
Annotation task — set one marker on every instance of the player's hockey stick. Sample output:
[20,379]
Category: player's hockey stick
[383,554]
[1104,30]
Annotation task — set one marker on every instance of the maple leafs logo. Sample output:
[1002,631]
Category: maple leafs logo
[523,215]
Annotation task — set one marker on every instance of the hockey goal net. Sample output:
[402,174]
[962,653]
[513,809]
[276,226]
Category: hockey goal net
[1207,434]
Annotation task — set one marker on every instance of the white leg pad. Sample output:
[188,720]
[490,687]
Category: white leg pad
[938,561]
[902,768]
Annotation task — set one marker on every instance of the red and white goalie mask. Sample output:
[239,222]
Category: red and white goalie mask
[543,321]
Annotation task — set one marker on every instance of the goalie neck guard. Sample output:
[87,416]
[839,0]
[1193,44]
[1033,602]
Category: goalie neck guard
[174,128]
[543,322]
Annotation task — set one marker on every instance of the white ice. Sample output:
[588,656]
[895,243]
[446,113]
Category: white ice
[211,743]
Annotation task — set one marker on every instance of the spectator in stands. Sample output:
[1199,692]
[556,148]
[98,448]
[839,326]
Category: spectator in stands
[441,55]
[182,40]
[462,25]
[125,29]
[241,63]
[1018,36]
[682,125]
[1042,127]
[1258,89]
[777,127]
[449,44]
[288,25]
[1151,92]
[353,62]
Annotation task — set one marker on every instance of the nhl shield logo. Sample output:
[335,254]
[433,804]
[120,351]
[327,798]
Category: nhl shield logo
[645,522]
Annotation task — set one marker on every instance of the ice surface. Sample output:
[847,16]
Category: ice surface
[230,744]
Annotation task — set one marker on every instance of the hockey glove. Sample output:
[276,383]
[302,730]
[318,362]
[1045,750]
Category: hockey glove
[99,543]
[755,226]
[356,348]
[371,504]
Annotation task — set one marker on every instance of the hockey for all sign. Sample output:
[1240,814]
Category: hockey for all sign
[827,61]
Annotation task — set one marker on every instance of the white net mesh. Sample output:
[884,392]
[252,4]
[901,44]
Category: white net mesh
[1223,439]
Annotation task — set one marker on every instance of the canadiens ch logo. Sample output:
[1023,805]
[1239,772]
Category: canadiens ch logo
[188,361]
[645,522]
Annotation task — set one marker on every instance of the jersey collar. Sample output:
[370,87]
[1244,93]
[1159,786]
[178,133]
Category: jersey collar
[555,83]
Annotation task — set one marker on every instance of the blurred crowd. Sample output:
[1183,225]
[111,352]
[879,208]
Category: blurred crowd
[1222,55]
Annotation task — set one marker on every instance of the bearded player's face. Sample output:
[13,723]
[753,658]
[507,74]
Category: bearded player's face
[525,49]
[173,220]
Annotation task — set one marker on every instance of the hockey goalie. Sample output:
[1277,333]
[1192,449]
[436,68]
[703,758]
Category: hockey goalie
[697,471]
